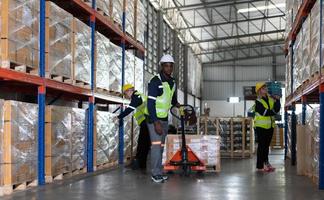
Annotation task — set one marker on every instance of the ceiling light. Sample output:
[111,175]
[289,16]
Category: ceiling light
[233,99]
[259,8]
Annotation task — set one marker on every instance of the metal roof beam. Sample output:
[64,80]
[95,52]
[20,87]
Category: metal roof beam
[230,22]
[243,58]
[244,46]
[237,36]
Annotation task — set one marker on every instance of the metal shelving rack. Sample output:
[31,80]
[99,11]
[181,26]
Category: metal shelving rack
[312,92]
[41,86]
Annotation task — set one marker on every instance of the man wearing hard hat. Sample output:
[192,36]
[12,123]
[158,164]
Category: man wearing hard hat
[161,96]
[138,104]
[266,108]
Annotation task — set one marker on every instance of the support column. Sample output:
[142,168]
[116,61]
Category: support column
[286,132]
[293,135]
[321,142]
[304,107]
[41,97]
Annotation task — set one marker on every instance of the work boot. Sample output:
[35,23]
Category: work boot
[165,177]
[157,179]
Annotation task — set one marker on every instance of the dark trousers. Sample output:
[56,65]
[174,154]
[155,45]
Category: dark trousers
[143,146]
[264,140]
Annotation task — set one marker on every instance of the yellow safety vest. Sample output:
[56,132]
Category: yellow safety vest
[140,110]
[265,122]
[164,102]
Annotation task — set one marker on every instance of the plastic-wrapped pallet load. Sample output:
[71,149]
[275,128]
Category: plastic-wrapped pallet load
[106,138]
[19,142]
[315,38]
[136,131]
[65,138]
[289,17]
[140,22]
[130,68]
[115,68]
[78,139]
[306,61]
[313,126]
[20,33]
[298,61]
[288,75]
[206,147]
[59,36]
[130,17]
[139,75]
[128,137]
[118,11]
[103,61]
[82,51]
[105,6]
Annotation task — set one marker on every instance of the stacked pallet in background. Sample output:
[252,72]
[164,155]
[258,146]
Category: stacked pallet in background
[206,147]
[59,43]
[117,11]
[18,144]
[130,17]
[308,146]
[81,53]
[139,75]
[278,138]
[237,135]
[106,140]
[65,140]
[19,35]
[130,68]
[140,23]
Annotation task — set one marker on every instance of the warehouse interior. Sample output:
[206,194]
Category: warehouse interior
[67,67]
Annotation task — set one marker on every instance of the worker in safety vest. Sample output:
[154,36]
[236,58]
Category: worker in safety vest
[266,108]
[161,96]
[138,104]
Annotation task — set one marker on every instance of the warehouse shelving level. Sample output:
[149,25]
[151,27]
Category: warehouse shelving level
[41,86]
[311,91]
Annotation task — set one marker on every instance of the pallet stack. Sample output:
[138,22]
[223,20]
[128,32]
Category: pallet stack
[237,135]
[65,140]
[59,43]
[206,147]
[19,35]
[308,146]
[105,140]
[18,145]
[81,53]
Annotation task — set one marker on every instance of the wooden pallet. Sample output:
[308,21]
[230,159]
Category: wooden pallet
[62,176]
[109,165]
[59,78]
[9,189]
[81,84]
[19,67]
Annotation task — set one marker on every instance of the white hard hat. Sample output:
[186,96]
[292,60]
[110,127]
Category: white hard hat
[167,59]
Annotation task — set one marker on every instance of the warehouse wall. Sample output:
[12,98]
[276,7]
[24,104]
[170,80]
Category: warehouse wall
[227,79]
[225,109]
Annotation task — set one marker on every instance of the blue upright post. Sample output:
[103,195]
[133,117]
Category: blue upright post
[286,132]
[91,99]
[41,97]
[321,143]
[293,135]
[121,122]
[304,107]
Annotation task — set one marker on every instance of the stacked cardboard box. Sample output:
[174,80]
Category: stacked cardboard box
[128,127]
[115,68]
[106,145]
[59,36]
[140,24]
[19,33]
[139,74]
[206,147]
[82,51]
[130,17]
[118,11]
[65,140]
[18,142]
[130,68]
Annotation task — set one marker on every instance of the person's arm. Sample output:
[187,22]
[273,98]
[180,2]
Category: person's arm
[153,88]
[135,102]
[259,108]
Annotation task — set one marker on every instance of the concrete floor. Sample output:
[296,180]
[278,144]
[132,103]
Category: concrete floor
[237,181]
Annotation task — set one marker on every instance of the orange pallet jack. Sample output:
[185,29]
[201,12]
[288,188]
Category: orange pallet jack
[185,158]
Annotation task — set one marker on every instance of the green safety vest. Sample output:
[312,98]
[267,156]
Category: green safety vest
[140,110]
[265,122]
[163,102]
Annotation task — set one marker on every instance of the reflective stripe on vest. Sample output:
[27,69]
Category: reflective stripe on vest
[140,110]
[265,122]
